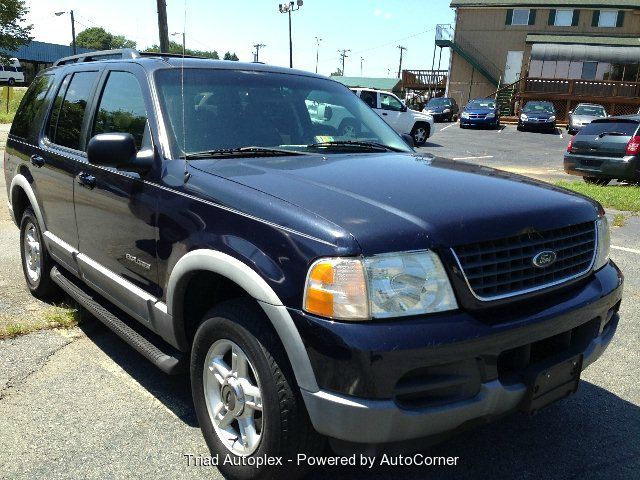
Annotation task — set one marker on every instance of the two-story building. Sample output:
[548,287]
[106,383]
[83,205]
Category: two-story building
[559,43]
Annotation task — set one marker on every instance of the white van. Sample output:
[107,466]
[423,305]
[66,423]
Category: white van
[13,73]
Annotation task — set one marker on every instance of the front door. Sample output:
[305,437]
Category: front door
[392,111]
[115,210]
[513,67]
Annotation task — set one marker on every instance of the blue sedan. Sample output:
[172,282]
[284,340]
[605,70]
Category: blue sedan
[481,112]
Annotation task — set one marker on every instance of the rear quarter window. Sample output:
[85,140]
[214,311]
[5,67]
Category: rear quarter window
[31,106]
[627,128]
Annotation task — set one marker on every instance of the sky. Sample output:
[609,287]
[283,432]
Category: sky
[371,29]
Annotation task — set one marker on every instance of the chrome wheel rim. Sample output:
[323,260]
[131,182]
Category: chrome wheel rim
[32,253]
[233,397]
[420,135]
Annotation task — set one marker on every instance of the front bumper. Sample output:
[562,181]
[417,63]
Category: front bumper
[479,122]
[440,116]
[382,382]
[537,125]
[626,168]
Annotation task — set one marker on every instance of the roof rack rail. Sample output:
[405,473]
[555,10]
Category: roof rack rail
[119,54]
[168,55]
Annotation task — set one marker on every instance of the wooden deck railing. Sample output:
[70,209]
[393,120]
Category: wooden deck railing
[424,79]
[589,88]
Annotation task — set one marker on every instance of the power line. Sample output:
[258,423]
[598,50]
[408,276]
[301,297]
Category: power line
[394,41]
[402,50]
[343,56]
[256,55]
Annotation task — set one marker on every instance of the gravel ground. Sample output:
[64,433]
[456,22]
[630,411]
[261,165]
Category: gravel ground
[82,404]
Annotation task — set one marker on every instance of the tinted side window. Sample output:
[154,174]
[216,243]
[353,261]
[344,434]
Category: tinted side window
[121,108]
[66,118]
[31,105]
[390,103]
[369,98]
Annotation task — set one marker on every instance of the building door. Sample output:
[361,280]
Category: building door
[513,66]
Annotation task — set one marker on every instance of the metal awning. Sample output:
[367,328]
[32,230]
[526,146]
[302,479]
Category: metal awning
[585,53]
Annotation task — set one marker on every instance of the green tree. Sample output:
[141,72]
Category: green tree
[13,31]
[337,73]
[231,56]
[176,48]
[97,38]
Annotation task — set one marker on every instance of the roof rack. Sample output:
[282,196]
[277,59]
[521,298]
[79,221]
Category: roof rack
[120,54]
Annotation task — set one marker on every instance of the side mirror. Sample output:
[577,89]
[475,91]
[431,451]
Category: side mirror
[118,150]
[404,108]
[408,140]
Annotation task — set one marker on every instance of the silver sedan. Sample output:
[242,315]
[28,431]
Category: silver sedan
[584,114]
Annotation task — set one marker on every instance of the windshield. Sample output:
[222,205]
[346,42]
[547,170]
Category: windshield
[233,109]
[439,102]
[590,110]
[481,104]
[539,107]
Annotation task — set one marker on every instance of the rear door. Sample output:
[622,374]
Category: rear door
[62,147]
[605,138]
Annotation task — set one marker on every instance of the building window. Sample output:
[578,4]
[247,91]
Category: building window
[589,70]
[520,16]
[563,18]
[608,18]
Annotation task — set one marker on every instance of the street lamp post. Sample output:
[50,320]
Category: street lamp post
[184,46]
[73,29]
[288,8]
[318,40]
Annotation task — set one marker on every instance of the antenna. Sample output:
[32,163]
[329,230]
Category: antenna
[184,118]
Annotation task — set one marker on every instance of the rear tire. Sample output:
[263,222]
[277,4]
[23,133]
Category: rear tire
[238,363]
[36,262]
[603,182]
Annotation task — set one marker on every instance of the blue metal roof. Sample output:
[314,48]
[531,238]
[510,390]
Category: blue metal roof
[44,52]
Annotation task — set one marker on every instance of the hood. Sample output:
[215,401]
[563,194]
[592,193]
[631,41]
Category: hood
[583,118]
[399,202]
[539,114]
[416,113]
[437,109]
[479,111]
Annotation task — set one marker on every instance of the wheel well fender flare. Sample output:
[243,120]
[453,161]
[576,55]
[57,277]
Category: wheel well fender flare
[251,282]
[20,181]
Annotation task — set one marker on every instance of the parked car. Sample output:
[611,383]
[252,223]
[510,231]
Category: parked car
[401,118]
[606,149]
[584,114]
[481,112]
[537,115]
[13,73]
[314,288]
[442,109]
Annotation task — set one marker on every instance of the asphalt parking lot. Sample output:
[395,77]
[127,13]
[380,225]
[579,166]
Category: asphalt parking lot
[82,404]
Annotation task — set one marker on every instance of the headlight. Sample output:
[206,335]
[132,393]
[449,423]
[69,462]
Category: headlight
[551,119]
[524,118]
[382,286]
[603,241]
[464,115]
[446,110]
[429,111]
[491,115]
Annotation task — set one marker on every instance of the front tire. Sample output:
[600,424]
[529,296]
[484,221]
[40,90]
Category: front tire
[245,396]
[602,182]
[36,262]
[420,134]
[12,81]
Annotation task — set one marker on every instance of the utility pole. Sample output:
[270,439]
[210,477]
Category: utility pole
[343,56]
[361,63]
[256,55]
[163,28]
[318,40]
[402,49]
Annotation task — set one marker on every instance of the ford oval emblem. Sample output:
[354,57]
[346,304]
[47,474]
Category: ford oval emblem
[545,259]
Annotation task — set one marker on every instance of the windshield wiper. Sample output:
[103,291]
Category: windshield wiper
[371,146]
[241,152]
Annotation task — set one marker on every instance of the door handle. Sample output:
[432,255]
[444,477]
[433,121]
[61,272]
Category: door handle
[37,161]
[85,180]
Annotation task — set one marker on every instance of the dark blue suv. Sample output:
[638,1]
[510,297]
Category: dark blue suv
[316,286]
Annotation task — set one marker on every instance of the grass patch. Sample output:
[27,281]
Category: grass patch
[55,317]
[14,101]
[618,197]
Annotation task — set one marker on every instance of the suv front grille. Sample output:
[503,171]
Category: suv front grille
[503,268]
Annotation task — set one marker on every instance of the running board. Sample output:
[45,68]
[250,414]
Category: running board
[170,362]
